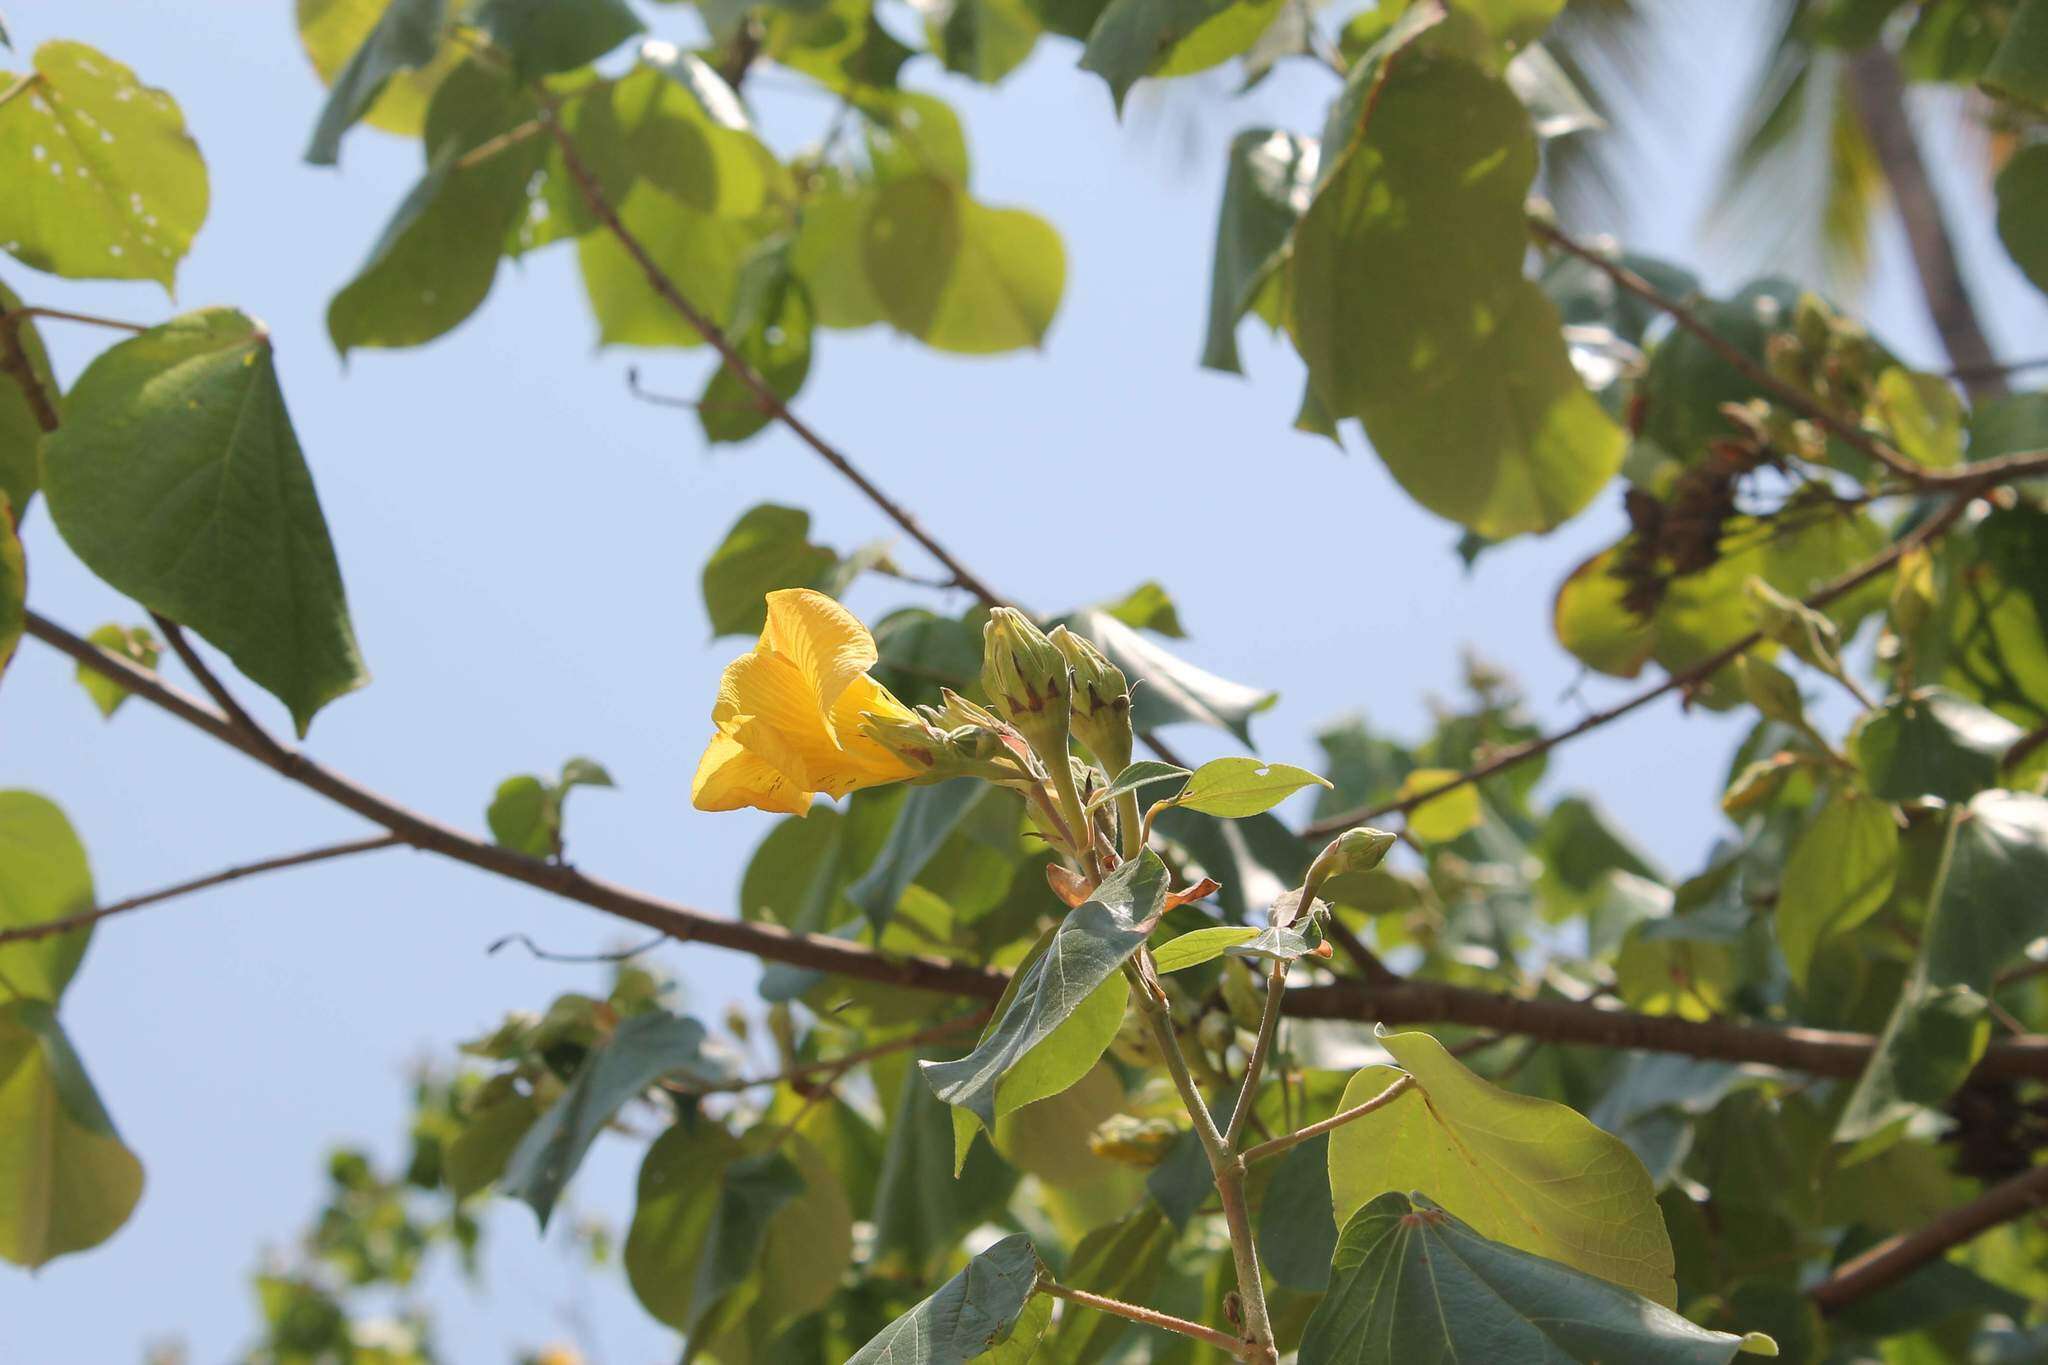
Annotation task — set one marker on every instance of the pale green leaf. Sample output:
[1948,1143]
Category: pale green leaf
[1525,1171]
[399,42]
[1145,772]
[1232,788]
[43,876]
[545,36]
[701,252]
[1440,819]
[105,184]
[1923,414]
[958,275]
[137,644]
[701,1221]
[66,1181]
[1838,874]
[768,548]
[1200,945]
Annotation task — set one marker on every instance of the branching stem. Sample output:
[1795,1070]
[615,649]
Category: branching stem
[1336,1120]
[1151,1317]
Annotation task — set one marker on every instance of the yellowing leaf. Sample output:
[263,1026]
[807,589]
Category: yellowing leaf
[1524,1171]
[1442,818]
[66,1180]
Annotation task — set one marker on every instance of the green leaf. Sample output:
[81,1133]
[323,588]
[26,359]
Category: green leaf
[827,257]
[1143,773]
[645,1048]
[479,1152]
[1931,743]
[768,548]
[21,435]
[701,1220]
[1124,1261]
[809,1240]
[701,252]
[1525,1171]
[545,36]
[13,585]
[984,40]
[1165,688]
[1411,1282]
[674,123]
[335,33]
[1089,947]
[1838,874]
[921,1210]
[177,478]
[522,816]
[1688,382]
[406,36]
[958,275]
[1923,414]
[1458,372]
[1137,38]
[2022,189]
[43,876]
[771,327]
[66,1181]
[910,133]
[1273,945]
[1265,188]
[930,815]
[1297,1235]
[1059,1061]
[1197,946]
[1148,607]
[969,1314]
[2018,69]
[1441,818]
[435,261]
[137,644]
[1232,788]
[104,182]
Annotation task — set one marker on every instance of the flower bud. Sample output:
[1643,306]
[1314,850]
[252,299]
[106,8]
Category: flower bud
[1027,683]
[939,755]
[1355,850]
[1102,701]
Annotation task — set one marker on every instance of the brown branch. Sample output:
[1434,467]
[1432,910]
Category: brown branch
[66,315]
[1879,92]
[2023,747]
[1922,534]
[1152,1317]
[1336,1120]
[836,957]
[749,377]
[14,363]
[1848,432]
[1895,1258]
[29,932]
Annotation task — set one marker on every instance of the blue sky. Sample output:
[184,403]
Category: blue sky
[521,543]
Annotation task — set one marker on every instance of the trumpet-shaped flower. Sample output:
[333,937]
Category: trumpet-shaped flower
[788,716]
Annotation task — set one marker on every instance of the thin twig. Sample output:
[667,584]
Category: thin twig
[1892,1260]
[27,933]
[174,634]
[1925,532]
[741,369]
[1150,1317]
[805,1070]
[11,92]
[549,955]
[1336,1120]
[65,315]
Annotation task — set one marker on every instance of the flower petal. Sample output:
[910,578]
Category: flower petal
[768,707]
[826,642]
[730,778]
[875,763]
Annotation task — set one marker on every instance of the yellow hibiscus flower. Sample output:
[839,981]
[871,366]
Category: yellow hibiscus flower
[788,715]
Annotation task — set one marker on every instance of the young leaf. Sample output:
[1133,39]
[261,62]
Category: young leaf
[66,1180]
[970,1314]
[1087,949]
[1233,788]
[1838,874]
[178,479]
[645,1048]
[1411,1282]
[1199,946]
[769,547]
[1441,818]
[1529,1172]
[1274,945]
[137,644]
[103,181]
[1144,773]
[523,816]
[1148,607]
[43,877]
[405,37]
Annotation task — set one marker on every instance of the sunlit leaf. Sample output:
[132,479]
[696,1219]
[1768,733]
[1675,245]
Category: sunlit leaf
[969,1314]
[1838,874]
[43,876]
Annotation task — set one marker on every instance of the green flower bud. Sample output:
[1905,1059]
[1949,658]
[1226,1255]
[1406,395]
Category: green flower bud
[1355,850]
[939,755]
[1027,683]
[1102,701]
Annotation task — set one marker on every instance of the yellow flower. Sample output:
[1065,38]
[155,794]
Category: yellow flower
[788,715]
